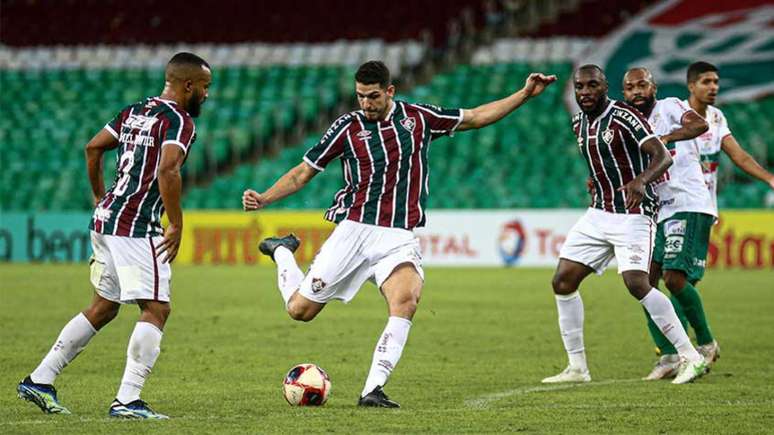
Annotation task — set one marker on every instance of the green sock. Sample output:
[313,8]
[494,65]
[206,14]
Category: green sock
[662,343]
[694,310]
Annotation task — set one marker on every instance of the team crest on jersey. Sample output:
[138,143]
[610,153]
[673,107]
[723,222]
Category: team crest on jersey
[607,136]
[364,134]
[409,123]
[317,285]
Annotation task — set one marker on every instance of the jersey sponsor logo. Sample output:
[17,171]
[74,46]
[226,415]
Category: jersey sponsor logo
[672,245]
[336,124]
[675,227]
[140,122]
[409,123]
[629,118]
[102,214]
[735,36]
[364,134]
[607,136]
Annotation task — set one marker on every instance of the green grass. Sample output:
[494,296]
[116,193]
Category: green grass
[481,342]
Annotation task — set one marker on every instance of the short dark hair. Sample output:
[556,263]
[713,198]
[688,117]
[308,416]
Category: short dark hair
[698,68]
[592,67]
[373,71]
[185,58]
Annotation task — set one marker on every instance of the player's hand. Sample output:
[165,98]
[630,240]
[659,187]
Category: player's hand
[252,200]
[633,191]
[590,186]
[171,243]
[771,183]
[536,83]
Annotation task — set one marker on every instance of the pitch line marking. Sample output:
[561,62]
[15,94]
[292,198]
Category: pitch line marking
[484,401]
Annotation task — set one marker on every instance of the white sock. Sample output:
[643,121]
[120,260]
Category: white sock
[387,352]
[570,308]
[141,354]
[289,276]
[663,314]
[74,337]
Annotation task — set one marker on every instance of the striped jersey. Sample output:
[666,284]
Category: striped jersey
[132,207]
[683,188]
[611,146]
[710,144]
[384,163]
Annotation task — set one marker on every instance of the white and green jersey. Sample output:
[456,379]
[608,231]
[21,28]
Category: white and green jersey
[682,188]
[709,146]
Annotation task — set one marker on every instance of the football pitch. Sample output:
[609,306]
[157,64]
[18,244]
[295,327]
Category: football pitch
[481,341]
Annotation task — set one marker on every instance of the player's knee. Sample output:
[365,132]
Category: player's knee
[562,284]
[299,312]
[638,285]
[674,281]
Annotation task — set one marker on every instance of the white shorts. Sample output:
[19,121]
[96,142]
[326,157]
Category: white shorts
[125,269]
[600,236]
[355,253]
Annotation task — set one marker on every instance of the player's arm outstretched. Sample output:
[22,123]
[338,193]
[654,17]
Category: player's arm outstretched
[744,160]
[492,112]
[660,161]
[691,126]
[290,183]
[95,149]
[170,188]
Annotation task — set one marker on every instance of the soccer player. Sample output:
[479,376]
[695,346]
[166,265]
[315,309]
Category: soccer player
[684,218]
[690,209]
[383,150]
[131,261]
[624,157]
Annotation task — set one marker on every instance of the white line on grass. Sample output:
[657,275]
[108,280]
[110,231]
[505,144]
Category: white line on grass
[484,401]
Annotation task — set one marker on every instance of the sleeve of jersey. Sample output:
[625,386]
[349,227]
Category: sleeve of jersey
[180,131]
[440,120]
[723,128]
[330,146]
[675,111]
[637,126]
[114,126]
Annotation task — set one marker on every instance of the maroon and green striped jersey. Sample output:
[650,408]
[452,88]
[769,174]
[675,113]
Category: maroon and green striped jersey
[132,207]
[611,146]
[384,163]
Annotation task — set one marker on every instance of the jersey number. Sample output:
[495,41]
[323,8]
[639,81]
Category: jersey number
[124,167]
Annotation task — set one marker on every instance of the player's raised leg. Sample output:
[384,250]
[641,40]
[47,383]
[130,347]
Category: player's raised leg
[663,314]
[141,354]
[567,278]
[38,387]
[290,276]
[402,291]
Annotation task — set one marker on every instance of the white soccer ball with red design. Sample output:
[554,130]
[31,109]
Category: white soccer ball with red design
[306,385]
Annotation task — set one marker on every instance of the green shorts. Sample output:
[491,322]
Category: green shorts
[682,242]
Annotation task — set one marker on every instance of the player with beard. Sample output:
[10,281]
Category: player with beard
[689,204]
[684,219]
[624,158]
[383,149]
[132,252]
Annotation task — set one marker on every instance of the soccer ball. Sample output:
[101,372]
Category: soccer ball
[306,385]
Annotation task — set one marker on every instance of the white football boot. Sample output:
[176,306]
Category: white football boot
[667,366]
[690,371]
[570,374]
